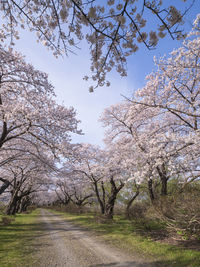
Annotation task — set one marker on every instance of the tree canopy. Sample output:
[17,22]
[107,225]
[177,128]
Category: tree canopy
[113,29]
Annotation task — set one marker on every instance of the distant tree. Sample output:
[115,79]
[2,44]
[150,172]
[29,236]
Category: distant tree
[73,189]
[25,176]
[112,29]
[88,169]
[101,170]
[63,192]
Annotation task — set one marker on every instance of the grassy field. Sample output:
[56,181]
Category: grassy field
[16,240]
[124,234]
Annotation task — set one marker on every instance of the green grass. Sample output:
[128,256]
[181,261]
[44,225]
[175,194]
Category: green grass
[124,234]
[16,240]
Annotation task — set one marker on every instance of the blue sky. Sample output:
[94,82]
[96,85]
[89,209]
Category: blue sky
[66,74]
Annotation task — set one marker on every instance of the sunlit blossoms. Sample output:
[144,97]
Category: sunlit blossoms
[33,127]
[113,29]
[157,131]
[152,140]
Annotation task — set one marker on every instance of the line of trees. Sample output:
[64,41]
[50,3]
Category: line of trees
[33,130]
[152,141]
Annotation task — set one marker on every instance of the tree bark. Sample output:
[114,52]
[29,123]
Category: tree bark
[150,188]
[4,186]
[163,177]
[130,203]
[109,208]
[24,203]
[102,206]
[12,206]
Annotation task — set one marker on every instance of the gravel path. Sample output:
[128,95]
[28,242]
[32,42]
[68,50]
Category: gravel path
[63,244]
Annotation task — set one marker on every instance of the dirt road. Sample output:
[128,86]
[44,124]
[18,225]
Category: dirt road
[63,244]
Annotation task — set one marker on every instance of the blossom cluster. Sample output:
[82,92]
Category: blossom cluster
[113,29]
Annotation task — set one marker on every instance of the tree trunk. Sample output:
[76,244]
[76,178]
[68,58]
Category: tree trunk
[130,203]
[11,208]
[109,208]
[150,188]
[24,203]
[65,201]
[163,177]
[18,204]
[164,187]
[102,205]
[4,186]
[103,194]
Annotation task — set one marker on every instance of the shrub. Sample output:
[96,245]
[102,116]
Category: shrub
[5,220]
[138,210]
[180,213]
[2,207]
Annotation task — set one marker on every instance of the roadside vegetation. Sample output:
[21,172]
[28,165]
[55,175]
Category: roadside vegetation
[137,237]
[17,233]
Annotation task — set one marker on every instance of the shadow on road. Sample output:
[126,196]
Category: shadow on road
[144,264]
[124,264]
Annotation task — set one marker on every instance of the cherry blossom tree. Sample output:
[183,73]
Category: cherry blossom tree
[101,171]
[126,132]
[44,198]
[140,135]
[25,176]
[133,193]
[27,105]
[31,122]
[63,192]
[161,123]
[113,29]
[173,90]
[16,150]
[73,189]
[87,167]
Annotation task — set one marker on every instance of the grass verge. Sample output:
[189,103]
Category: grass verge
[122,233]
[16,240]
